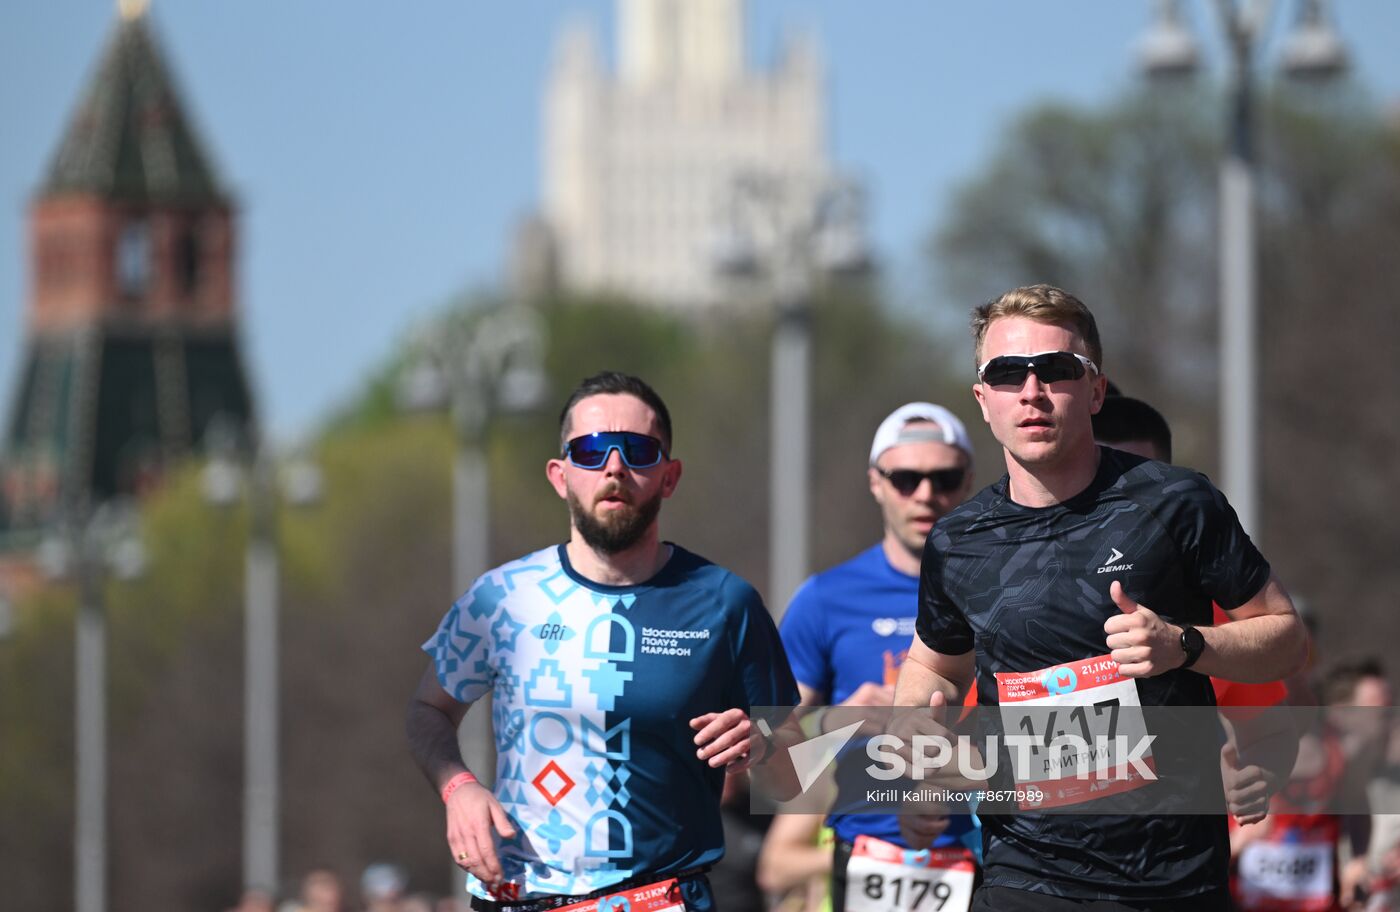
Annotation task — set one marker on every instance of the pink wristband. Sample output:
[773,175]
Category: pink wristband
[455,783]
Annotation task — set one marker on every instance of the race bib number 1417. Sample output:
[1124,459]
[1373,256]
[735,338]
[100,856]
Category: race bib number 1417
[1083,724]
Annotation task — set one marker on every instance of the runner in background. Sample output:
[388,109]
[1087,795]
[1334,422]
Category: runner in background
[846,634]
[1293,861]
[794,867]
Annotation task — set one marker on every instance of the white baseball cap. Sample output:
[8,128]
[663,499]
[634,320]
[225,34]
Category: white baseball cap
[894,430]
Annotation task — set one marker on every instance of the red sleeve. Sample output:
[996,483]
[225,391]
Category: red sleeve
[969,703]
[1236,694]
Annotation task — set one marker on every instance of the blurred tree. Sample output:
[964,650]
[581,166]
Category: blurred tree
[1330,363]
[1117,204]
[36,755]
[1114,204]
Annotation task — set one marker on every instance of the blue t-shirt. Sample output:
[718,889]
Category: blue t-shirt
[593,689]
[848,626]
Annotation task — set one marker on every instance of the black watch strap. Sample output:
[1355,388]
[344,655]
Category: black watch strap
[1193,644]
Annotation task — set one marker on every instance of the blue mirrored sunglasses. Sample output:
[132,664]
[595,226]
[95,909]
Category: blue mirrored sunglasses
[638,451]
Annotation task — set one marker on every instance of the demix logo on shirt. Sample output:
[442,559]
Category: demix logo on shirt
[1111,565]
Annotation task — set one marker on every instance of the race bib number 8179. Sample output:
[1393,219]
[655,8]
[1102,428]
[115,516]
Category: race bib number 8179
[883,877]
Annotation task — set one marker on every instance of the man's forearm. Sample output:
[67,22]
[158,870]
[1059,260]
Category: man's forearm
[770,768]
[1251,650]
[432,739]
[917,684]
[1270,742]
[776,778]
[783,867]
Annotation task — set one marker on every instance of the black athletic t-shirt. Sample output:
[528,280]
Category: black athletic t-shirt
[1022,586]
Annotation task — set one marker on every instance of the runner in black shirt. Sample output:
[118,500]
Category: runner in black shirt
[1082,552]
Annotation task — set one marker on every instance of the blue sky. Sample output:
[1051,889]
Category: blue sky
[382,152]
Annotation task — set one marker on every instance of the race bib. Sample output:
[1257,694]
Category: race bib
[1286,876]
[662,896]
[1087,736]
[882,877]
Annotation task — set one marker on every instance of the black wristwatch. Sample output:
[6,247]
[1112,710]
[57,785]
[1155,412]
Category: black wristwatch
[1192,643]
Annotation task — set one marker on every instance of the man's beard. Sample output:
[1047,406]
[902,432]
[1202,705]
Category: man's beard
[619,529]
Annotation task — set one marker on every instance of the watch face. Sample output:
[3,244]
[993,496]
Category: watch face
[1192,643]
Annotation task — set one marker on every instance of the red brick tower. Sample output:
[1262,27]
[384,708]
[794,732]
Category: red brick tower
[131,344]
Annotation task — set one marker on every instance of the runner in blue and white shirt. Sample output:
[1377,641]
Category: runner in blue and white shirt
[621,670]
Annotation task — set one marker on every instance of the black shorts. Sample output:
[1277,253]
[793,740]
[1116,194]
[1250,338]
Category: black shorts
[1006,899]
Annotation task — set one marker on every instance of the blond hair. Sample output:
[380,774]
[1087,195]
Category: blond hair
[1044,304]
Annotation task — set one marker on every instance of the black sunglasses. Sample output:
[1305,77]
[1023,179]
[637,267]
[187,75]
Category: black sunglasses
[638,451]
[907,481]
[1049,367]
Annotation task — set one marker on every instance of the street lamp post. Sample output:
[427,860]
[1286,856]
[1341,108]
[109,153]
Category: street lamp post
[300,485]
[261,834]
[787,233]
[1239,345]
[7,615]
[90,741]
[98,543]
[790,464]
[1312,51]
[476,365]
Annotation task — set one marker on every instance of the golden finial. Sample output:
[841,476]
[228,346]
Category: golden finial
[132,9]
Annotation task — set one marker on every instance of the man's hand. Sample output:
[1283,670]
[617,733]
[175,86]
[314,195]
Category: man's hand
[472,813]
[920,830]
[866,696]
[723,739]
[1247,787]
[907,723]
[1142,643]
[870,694]
[915,729]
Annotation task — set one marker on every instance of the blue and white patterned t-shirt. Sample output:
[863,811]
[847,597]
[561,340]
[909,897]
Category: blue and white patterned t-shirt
[593,689]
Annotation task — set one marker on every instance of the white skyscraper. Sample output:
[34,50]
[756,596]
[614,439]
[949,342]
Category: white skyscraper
[640,166]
